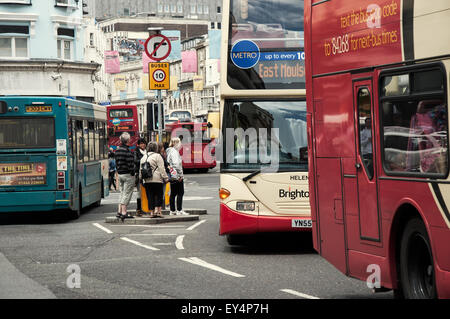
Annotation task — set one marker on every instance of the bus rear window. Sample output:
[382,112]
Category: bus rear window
[121,113]
[17,133]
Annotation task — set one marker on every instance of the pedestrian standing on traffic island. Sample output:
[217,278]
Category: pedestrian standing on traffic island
[141,150]
[125,169]
[177,182]
[112,170]
[162,151]
[157,177]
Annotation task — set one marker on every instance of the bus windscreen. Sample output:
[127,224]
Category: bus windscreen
[19,133]
[254,130]
[265,45]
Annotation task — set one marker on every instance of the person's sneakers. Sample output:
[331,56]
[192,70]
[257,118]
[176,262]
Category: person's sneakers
[181,212]
[173,213]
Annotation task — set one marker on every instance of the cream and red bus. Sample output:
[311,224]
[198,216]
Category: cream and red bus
[377,99]
[264,167]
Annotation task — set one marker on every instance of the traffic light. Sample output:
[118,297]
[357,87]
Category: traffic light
[152,116]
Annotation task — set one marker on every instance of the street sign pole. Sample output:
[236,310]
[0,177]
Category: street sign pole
[160,115]
[158,48]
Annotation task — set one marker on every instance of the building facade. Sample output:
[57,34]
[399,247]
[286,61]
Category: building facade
[209,10]
[42,49]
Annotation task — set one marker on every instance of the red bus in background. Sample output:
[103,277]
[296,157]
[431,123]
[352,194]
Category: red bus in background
[377,119]
[198,149]
[122,118]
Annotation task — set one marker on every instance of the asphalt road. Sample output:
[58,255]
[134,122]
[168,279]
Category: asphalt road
[182,260]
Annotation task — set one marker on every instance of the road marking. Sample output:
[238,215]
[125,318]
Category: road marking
[196,224]
[199,262]
[195,198]
[148,226]
[163,244]
[179,242]
[139,244]
[298,294]
[106,230]
[152,234]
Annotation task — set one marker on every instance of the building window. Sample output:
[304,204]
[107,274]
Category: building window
[193,7]
[205,9]
[91,39]
[218,10]
[160,7]
[126,11]
[180,8]
[167,8]
[65,43]
[14,41]
[200,8]
[212,25]
[174,8]
[219,25]
[16,1]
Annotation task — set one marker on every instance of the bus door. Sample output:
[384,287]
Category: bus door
[366,173]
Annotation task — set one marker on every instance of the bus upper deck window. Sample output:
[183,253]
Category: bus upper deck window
[3,107]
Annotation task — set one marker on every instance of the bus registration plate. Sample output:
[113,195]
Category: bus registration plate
[38,108]
[301,223]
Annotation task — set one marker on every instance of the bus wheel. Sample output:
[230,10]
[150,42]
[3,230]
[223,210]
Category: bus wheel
[99,202]
[416,262]
[234,239]
[75,214]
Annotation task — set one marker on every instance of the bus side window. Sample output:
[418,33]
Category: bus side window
[79,139]
[85,141]
[98,154]
[91,126]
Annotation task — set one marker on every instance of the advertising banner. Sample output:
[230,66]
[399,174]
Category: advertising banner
[112,63]
[198,82]
[174,37]
[189,61]
[20,174]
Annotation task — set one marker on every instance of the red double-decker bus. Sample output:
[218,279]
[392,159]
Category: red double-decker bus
[122,118]
[377,112]
[198,149]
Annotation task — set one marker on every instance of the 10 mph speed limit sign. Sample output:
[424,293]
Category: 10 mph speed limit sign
[159,76]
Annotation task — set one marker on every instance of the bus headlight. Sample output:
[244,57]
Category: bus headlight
[224,193]
[245,206]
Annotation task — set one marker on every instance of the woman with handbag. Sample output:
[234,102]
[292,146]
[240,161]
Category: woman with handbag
[154,176]
[177,180]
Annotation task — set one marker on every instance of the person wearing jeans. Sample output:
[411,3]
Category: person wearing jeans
[176,186]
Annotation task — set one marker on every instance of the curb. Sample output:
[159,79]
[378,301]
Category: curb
[151,221]
[193,211]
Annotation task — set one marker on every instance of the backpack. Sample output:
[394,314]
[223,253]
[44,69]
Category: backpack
[146,170]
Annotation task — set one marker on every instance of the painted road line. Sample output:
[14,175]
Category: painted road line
[179,242]
[196,224]
[163,244]
[196,198]
[199,262]
[106,230]
[298,294]
[139,244]
[148,226]
[152,234]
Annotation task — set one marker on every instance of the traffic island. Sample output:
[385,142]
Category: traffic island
[152,221]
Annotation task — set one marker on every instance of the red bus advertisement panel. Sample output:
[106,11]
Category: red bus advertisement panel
[365,31]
